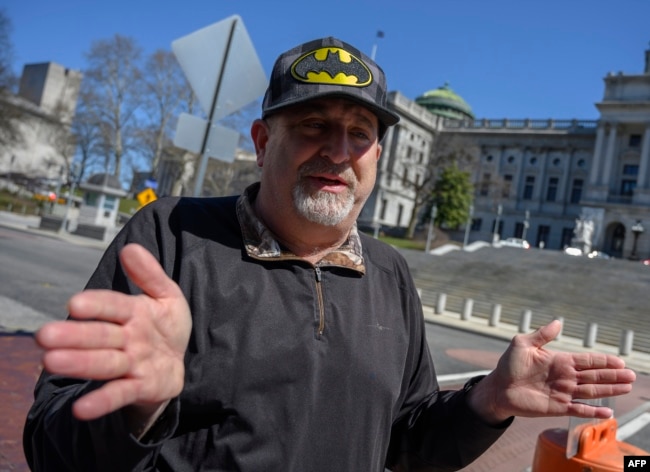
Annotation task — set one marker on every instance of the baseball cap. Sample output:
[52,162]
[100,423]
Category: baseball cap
[328,67]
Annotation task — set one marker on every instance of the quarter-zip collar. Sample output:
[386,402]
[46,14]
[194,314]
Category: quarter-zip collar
[261,243]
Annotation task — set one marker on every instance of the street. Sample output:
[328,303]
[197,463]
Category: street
[39,272]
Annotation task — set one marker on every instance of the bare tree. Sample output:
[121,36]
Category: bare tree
[165,96]
[113,94]
[9,112]
[446,150]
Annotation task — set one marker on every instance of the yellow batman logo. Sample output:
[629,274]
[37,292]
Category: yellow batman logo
[331,65]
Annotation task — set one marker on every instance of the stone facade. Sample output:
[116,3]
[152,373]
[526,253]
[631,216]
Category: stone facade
[537,179]
[47,98]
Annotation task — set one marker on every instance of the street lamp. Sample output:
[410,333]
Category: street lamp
[526,225]
[434,211]
[637,229]
[495,235]
[467,226]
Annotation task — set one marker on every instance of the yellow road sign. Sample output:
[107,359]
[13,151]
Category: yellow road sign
[146,196]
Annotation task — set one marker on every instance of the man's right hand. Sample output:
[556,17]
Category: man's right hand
[136,343]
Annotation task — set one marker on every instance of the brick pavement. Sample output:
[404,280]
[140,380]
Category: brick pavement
[19,369]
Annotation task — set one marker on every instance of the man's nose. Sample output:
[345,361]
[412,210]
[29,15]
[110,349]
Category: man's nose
[336,147]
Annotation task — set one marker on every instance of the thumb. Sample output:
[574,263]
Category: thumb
[147,273]
[546,334]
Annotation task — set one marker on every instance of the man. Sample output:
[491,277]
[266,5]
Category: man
[265,333]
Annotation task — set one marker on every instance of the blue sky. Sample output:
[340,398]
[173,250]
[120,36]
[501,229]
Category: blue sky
[507,58]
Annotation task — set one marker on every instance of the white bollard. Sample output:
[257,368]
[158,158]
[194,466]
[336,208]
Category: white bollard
[590,334]
[440,303]
[524,321]
[467,309]
[627,341]
[495,316]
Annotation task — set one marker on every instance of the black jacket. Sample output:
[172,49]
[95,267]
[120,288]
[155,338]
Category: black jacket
[290,367]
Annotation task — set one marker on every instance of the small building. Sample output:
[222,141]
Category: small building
[99,210]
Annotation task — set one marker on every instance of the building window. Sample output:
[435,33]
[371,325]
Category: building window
[507,184]
[511,159]
[484,188]
[576,190]
[627,187]
[400,210]
[581,163]
[409,151]
[630,169]
[476,224]
[556,161]
[382,211]
[543,232]
[533,161]
[635,141]
[421,158]
[551,190]
[567,236]
[519,230]
[528,188]
[405,177]
[489,158]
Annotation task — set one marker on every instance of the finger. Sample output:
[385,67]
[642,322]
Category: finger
[545,334]
[76,335]
[101,364]
[105,305]
[108,398]
[146,272]
[593,360]
[582,410]
[606,376]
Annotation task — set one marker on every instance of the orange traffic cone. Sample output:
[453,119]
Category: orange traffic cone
[597,449]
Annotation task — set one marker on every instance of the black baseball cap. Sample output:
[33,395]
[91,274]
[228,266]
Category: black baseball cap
[328,67]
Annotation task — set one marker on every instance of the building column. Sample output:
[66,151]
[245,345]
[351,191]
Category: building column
[609,157]
[644,163]
[594,176]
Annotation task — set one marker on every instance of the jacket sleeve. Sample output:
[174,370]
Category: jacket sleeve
[435,430]
[53,439]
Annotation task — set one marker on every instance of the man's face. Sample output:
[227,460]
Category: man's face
[319,159]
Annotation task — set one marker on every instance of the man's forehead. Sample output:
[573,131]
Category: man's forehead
[326,105]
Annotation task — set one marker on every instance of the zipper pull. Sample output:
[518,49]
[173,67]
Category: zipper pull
[318,274]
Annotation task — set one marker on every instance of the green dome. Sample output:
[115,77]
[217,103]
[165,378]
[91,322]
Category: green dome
[445,102]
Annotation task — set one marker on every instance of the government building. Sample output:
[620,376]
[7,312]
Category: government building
[541,180]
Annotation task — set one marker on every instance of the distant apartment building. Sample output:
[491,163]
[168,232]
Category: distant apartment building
[532,178]
[47,99]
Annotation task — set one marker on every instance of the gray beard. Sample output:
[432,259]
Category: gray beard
[324,208]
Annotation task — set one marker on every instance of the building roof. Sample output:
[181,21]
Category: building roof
[445,102]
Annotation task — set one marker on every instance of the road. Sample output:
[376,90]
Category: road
[38,272]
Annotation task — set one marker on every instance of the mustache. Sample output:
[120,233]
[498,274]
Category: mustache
[318,166]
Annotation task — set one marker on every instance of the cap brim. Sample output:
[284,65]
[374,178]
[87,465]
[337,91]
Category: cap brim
[384,115]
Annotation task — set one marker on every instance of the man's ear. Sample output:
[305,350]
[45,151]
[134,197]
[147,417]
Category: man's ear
[260,136]
[379,149]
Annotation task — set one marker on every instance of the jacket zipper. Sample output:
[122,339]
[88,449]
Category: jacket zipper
[321,307]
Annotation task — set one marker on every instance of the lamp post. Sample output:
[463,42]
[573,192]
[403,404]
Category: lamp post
[637,229]
[495,235]
[526,225]
[467,226]
[434,212]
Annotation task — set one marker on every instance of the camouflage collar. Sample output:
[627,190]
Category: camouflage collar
[261,244]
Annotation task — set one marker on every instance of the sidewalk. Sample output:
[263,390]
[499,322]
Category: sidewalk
[31,223]
[20,367]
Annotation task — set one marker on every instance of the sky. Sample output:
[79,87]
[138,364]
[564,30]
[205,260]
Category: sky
[507,58]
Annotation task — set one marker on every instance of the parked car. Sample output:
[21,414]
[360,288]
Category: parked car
[573,251]
[598,255]
[515,242]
